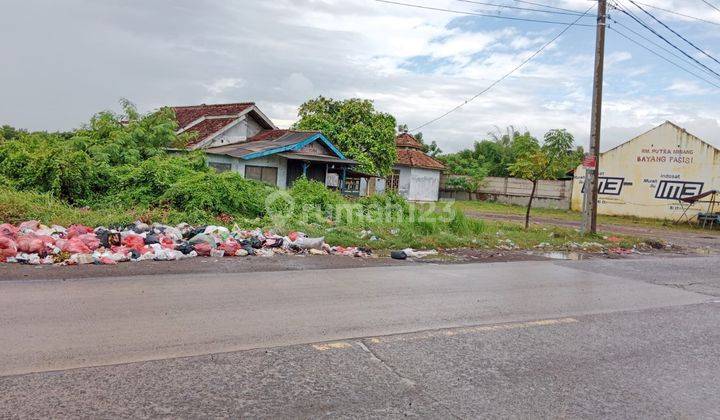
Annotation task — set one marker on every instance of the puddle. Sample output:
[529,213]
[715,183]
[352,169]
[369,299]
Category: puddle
[560,255]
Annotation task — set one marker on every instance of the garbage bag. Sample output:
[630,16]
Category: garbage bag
[309,243]
[167,242]
[202,248]
[75,246]
[77,230]
[30,225]
[135,242]
[230,246]
[152,238]
[398,255]
[6,229]
[31,244]
[8,248]
[184,247]
[203,238]
[90,240]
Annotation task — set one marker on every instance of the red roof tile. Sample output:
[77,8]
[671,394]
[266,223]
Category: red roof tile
[207,128]
[407,140]
[187,114]
[416,158]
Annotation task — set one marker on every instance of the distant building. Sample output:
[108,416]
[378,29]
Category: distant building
[239,137]
[416,176]
[648,175]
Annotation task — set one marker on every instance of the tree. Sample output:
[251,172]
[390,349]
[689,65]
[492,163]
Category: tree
[361,132]
[549,161]
[470,181]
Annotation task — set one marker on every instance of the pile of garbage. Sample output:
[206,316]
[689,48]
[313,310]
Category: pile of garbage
[33,243]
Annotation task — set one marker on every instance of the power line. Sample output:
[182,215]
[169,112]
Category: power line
[546,6]
[672,12]
[438,9]
[674,54]
[650,28]
[663,57]
[505,6]
[673,31]
[711,5]
[506,75]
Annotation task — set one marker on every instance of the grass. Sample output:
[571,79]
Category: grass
[460,232]
[569,215]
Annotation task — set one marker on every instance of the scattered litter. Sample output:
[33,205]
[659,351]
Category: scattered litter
[31,242]
[411,253]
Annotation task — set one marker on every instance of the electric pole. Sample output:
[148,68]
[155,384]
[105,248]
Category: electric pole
[592,159]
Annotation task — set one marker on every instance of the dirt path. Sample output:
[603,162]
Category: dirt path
[702,240]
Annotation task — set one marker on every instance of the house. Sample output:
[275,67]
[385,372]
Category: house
[416,176]
[648,175]
[239,137]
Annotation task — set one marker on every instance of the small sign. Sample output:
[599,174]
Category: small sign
[589,161]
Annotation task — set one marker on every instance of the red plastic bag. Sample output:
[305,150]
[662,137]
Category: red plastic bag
[90,240]
[167,242]
[31,244]
[6,229]
[8,248]
[230,246]
[75,246]
[77,230]
[293,236]
[120,249]
[135,242]
[203,249]
[107,261]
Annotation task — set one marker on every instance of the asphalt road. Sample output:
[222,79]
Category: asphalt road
[528,339]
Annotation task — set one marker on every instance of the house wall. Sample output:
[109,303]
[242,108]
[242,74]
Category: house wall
[418,184]
[404,181]
[645,176]
[549,194]
[247,127]
[238,165]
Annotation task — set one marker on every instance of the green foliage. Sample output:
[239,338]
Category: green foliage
[356,128]
[217,193]
[498,153]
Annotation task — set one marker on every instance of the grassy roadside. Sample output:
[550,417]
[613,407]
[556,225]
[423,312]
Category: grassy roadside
[569,215]
[460,232]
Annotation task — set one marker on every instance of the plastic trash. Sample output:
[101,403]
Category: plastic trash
[8,248]
[309,243]
[398,255]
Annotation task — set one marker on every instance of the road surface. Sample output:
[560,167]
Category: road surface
[525,339]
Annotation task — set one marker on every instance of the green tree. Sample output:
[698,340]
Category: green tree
[361,132]
[470,181]
[549,161]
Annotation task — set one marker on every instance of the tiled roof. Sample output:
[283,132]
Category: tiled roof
[418,159]
[187,114]
[407,140]
[207,128]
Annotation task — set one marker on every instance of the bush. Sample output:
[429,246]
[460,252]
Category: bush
[217,193]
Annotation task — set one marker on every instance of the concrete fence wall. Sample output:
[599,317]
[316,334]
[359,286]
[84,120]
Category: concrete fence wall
[549,194]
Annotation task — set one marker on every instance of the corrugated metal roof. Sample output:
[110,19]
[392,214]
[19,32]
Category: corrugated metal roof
[267,141]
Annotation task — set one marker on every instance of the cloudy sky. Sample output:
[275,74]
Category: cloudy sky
[62,61]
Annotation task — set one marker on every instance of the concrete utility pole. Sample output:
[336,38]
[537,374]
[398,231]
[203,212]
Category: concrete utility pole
[592,159]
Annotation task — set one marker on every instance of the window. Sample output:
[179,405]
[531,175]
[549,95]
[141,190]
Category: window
[392,182]
[220,167]
[265,174]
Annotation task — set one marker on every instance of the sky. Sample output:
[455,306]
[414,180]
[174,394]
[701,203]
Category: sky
[63,61]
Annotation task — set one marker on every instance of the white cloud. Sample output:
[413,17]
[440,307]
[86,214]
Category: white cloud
[283,52]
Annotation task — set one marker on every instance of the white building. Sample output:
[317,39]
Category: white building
[416,176]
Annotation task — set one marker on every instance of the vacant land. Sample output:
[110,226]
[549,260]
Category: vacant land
[685,235]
